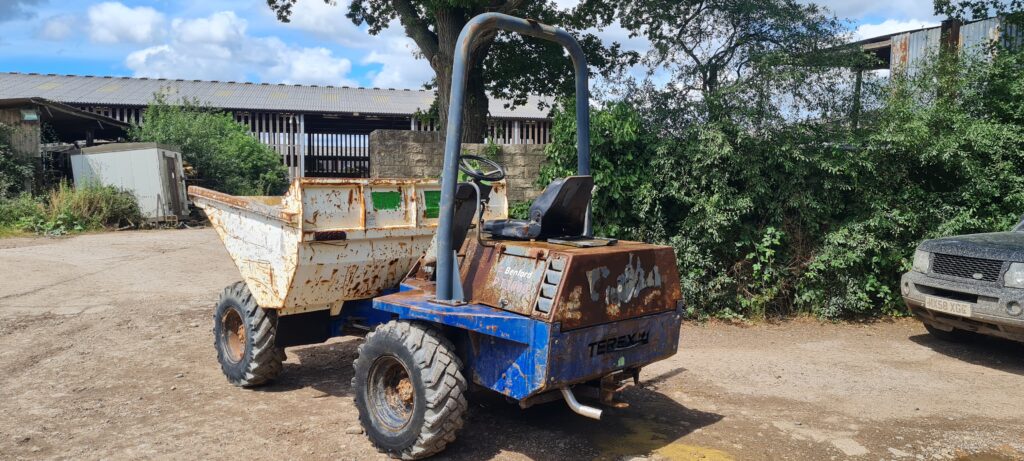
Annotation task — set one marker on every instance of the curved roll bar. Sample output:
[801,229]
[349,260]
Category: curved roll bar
[453,136]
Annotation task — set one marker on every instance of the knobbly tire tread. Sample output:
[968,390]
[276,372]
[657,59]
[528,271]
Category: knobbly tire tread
[444,385]
[262,360]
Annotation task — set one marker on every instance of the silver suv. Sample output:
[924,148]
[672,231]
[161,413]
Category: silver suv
[969,283]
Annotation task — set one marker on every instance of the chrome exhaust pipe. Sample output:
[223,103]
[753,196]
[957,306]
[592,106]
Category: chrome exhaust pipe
[578,407]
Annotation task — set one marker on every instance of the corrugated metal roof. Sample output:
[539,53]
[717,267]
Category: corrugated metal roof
[113,91]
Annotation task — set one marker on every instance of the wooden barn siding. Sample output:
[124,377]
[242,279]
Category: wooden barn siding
[25,138]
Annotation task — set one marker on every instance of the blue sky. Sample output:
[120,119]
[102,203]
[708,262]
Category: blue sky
[241,40]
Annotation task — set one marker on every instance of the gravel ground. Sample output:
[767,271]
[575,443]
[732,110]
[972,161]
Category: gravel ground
[106,352]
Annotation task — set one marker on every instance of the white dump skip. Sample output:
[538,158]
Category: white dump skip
[329,240]
[151,172]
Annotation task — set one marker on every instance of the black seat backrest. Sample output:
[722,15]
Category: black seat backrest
[561,209]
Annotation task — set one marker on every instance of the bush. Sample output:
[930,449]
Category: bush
[93,206]
[67,209]
[223,152]
[18,211]
[774,216]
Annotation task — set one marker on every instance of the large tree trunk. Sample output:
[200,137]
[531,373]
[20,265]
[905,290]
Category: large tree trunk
[474,110]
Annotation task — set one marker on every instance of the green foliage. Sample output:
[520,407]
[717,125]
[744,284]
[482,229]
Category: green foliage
[945,156]
[223,152]
[519,210]
[967,10]
[18,211]
[772,214]
[67,209]
[15,170]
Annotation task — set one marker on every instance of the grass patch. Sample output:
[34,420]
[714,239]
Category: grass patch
[67,209]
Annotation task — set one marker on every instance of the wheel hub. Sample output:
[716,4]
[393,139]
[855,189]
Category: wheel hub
[392,395]
[234,335]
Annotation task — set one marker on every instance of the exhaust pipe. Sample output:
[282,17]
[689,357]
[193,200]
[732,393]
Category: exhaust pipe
[578,407]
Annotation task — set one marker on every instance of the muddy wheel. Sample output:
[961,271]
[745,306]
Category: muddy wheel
[954,336]
[244,337]
[409,390]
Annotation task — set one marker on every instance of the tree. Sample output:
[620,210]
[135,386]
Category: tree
[710,43]
[505,65]
[966,10]
[223,152]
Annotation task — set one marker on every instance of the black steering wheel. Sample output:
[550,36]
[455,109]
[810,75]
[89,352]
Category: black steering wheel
[496,173]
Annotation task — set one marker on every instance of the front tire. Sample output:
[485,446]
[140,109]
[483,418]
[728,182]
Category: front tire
[409,390]
[244,336]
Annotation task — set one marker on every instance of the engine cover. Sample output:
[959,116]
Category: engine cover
[576,287]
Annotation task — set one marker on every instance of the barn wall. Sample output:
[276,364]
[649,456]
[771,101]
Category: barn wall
[25,139]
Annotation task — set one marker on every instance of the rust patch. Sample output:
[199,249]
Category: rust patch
[572,305]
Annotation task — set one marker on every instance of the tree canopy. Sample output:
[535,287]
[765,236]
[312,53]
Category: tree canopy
[501,65]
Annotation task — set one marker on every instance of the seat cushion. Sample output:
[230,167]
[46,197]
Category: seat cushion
[512,228]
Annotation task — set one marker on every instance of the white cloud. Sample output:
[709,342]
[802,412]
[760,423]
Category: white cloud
[220,28]
[310,65]
[397,55]
[217,47]
[113,22]
[329,22]
[889,26]
[57,28]
[895,9]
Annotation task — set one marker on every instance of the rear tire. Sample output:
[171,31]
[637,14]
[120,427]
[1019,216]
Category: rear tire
[409,390]
[244,336]
[955,335]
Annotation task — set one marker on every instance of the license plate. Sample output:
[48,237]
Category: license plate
[948,306]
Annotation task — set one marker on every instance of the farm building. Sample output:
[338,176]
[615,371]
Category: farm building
[907,51]
[318,130]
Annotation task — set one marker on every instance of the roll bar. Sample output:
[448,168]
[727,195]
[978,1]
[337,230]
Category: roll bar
[453,136]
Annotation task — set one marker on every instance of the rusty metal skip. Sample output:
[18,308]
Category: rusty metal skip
[446,289]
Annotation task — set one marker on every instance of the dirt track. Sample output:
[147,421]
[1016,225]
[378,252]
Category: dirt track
[106,352]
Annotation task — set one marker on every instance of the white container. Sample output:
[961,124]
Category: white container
[327,241]
[150,171]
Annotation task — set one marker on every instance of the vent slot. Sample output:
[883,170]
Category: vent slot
[549,286]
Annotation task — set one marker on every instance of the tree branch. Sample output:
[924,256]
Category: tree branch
[416,28]
[511,6]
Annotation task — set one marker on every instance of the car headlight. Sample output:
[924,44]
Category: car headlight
[1014,276]
[921,259]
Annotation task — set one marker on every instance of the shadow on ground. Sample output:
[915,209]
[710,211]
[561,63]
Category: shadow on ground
[653,421]
[324,367]
[996,353]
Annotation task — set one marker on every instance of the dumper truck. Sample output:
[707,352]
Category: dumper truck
[446,289]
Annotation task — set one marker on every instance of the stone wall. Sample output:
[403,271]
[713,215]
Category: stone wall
[420,154]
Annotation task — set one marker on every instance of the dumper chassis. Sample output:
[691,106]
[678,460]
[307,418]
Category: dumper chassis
[447,290]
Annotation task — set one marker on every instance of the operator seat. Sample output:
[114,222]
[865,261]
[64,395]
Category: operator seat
[559,211]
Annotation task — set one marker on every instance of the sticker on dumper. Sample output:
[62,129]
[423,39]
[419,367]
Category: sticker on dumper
[386,200]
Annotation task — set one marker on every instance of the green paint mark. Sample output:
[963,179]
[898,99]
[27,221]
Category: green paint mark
[386,200]
[433,203]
